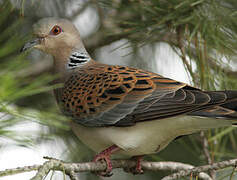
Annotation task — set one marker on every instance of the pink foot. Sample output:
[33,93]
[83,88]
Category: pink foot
[138,168]
[105,156]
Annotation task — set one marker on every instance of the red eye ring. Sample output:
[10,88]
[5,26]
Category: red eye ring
[56,30]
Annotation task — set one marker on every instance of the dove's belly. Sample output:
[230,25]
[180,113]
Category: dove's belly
[144,137]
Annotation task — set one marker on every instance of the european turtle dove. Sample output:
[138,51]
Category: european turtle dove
[118,109]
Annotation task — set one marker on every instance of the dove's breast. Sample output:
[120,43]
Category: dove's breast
[145,137]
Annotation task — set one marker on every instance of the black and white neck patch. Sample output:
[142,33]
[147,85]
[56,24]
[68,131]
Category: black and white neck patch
[77,59]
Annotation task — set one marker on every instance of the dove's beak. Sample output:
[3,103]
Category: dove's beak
[31,44]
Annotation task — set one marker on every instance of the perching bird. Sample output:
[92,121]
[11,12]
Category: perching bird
[118,109]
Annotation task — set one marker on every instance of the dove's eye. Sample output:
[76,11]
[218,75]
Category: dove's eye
[56,30]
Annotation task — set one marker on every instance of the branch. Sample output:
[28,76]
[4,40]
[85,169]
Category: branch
[207,153]
[72,168]
[182,49]
[8,172]
[215,166]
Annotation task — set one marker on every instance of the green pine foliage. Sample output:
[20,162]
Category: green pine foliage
[16,85]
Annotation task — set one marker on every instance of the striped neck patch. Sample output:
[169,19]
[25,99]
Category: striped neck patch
[77,59]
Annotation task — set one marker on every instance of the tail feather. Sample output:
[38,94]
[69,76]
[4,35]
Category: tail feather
[226,109]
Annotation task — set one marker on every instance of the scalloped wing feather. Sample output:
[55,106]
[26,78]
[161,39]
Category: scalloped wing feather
[101,95]
[104,95]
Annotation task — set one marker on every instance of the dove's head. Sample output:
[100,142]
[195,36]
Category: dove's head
[54,35]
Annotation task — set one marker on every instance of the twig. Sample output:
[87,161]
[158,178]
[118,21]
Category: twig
[183,53]
[45,168]
[215,166]
[207,153]
[18,170]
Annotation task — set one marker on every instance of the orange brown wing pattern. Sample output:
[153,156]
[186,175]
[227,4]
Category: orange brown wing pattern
[101,95]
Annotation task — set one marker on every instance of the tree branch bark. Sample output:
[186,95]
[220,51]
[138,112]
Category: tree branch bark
[215,166]
[72,168]
[207,153]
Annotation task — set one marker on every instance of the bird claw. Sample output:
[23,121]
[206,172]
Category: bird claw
[134,170]
[138,168]
[105,156]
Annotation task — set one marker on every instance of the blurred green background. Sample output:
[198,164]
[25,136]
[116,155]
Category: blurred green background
[194,41]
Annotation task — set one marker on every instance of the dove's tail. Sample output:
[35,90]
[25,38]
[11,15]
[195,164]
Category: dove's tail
[227,109]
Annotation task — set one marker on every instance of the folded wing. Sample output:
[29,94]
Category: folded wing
[121,96]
